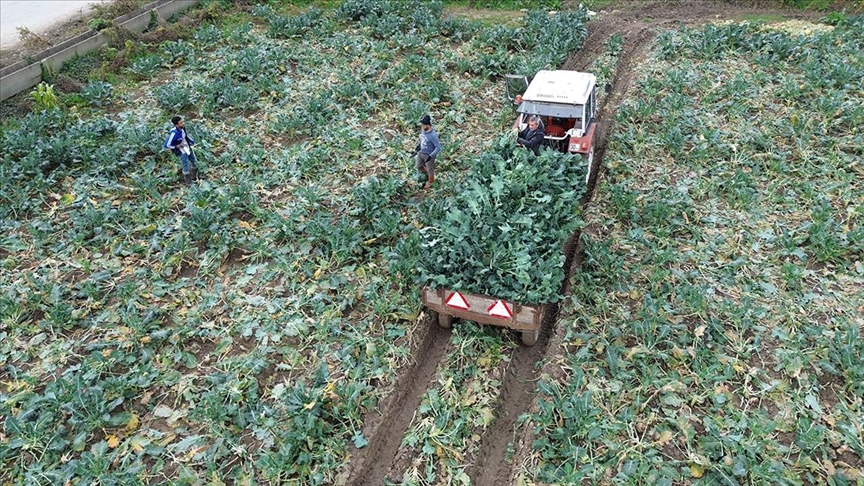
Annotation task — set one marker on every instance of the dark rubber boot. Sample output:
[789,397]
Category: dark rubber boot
[187,179]
[194,173]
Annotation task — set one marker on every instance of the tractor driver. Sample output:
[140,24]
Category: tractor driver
[532,136]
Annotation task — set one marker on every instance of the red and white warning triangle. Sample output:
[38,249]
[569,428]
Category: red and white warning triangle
[500,309]
[456,300]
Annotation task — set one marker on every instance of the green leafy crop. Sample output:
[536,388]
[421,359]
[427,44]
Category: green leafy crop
[502,233]
[240,329]
[714,331]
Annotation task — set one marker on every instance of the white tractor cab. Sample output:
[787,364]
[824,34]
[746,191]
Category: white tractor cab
[566,102]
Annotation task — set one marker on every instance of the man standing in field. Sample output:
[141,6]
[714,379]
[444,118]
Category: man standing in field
[427,150]
[181,144]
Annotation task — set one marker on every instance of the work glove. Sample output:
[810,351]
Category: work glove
[521,141]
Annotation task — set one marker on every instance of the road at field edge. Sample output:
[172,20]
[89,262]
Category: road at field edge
[37,16]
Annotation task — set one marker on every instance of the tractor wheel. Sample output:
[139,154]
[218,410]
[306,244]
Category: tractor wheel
[445,320]
[591,169]
[529,338]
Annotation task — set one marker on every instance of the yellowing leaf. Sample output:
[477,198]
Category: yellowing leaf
[215,480]
[486,415]
[665,437]
[113,441]
[167,439]
[133,423]
[244,224]
[13,386]
[138,443]
[329,391]
[697,471]
[310,405]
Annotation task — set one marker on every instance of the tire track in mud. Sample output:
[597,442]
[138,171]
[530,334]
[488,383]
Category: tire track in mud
[369,465]
[516,397]
[491,466]
[637,23]
[635,50]
[638,28]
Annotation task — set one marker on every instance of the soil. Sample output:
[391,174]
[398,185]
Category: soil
[384,428]
[491,466]
[638,22]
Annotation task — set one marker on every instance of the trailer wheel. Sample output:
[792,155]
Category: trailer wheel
[529,338]
[445,320]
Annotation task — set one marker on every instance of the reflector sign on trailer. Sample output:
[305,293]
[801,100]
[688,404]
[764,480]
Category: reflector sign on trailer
[456,300]
[500,309]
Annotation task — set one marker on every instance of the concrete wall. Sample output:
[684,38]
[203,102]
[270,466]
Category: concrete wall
[23,76]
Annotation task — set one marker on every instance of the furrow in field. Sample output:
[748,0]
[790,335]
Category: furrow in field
[493,465]
[386,430]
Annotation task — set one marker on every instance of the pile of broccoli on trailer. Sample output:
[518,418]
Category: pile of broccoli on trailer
[502,234]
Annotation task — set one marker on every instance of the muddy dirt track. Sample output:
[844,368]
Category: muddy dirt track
[637,23]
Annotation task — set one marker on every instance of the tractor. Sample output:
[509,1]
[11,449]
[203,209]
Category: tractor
[566,102]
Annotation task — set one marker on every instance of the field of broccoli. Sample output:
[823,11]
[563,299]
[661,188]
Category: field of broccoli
[264,326]
[714,332]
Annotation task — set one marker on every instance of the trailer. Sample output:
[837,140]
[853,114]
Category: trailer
[565,102]
[483,309]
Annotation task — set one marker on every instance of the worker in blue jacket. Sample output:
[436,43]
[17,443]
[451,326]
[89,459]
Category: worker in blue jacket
[427,150]
[181,143]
